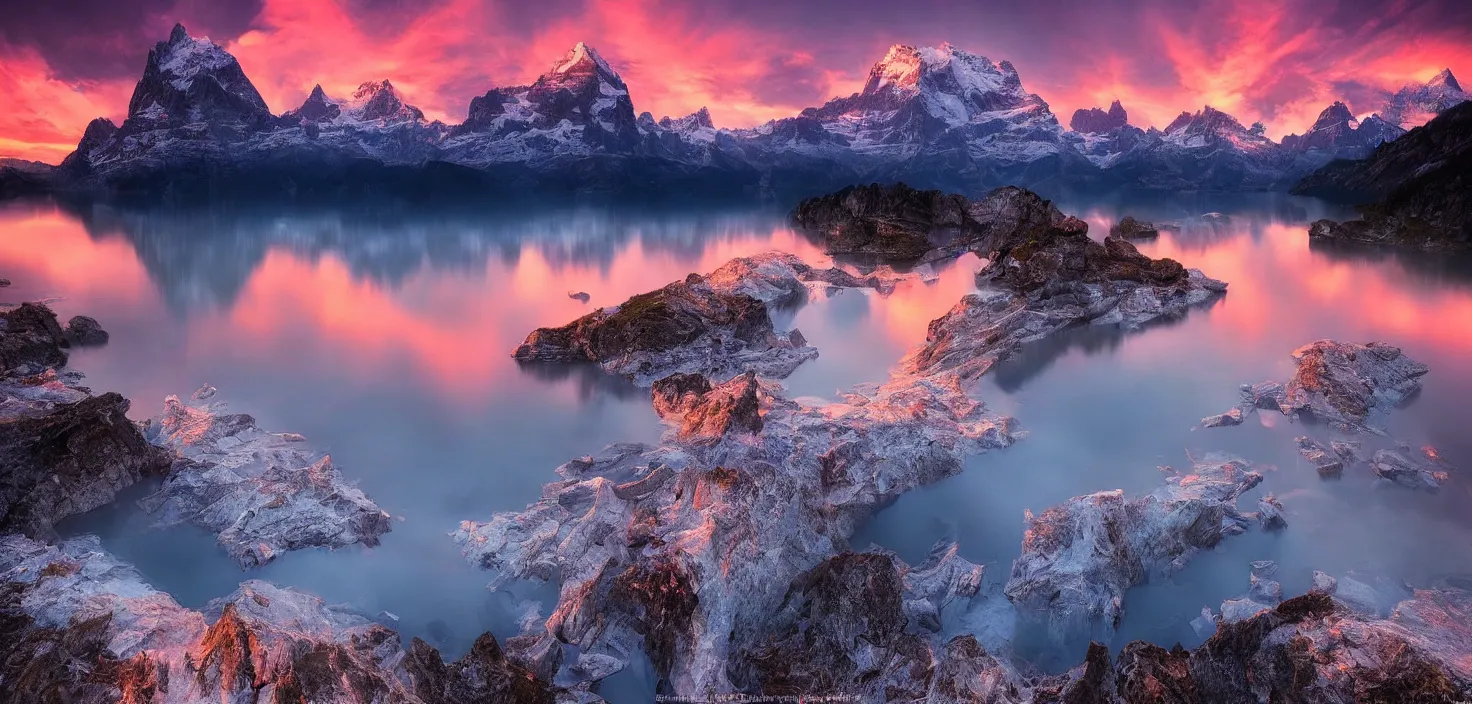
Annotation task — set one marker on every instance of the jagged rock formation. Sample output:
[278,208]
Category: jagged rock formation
[62,450]
[935,117]
[1415,105]
[1079,558]
[716,324]
[893,222]
[1131,229]
[1063,258]
[1097,121]
[1426,471]
[77,625]
[1419,184]
[67,459]
[1206,150]
[658,546]
[263,493]
[1345,385]
[1341,135]
[844,626]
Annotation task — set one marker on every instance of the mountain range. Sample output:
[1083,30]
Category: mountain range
[934,117]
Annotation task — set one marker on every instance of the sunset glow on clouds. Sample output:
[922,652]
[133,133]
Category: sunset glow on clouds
[64,63]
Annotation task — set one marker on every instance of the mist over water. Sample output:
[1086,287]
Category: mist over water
[385,340]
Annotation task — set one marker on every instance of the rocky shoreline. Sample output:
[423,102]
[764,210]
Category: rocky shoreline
[686,548]
[722,554]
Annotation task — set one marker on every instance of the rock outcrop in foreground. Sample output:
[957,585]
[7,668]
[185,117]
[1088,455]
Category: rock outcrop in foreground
[1079,558]
[76,625]
[262,493]
[63,451]
[1420,188]
[1347,386]
[718,324]
[692,550]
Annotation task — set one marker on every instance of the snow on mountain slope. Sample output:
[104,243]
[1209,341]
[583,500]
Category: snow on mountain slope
[937,117]
[1415,105]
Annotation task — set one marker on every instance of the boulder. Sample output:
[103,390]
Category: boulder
[83,331]
[1131,229]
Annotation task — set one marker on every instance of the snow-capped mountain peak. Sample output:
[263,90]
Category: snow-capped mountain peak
[1414,105]
[1445,79]
[583,58]
[700,119]
[183,57]
[373,102]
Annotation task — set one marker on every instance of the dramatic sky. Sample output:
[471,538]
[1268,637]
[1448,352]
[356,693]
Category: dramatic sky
[64,62]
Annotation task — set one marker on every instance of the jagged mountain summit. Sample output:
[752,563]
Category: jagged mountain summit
[375,102]
[579,107]
[1096,121]
[937,117]
[1415,105]
[1337,133]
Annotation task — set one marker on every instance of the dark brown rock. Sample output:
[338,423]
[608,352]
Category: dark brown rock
[31,339]
[84,331]
[895,222]
[1130,228]
[69,461]
[484,675]
[703,411]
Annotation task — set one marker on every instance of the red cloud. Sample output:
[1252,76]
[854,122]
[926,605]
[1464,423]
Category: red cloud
[1270,61]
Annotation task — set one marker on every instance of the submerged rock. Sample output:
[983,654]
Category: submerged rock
[83,331]
[1424,472]
[77,625]
[716,324]
[262,493]
[1329,462]
[580,296]
[1232,417]
[1131,229]
[893,222]
[1264,594]
[1080,557]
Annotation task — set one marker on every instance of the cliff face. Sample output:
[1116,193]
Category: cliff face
[1419,188]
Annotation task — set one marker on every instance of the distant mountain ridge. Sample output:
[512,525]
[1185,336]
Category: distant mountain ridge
[932,116]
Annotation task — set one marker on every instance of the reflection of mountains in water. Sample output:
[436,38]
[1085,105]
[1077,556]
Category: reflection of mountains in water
[202,259]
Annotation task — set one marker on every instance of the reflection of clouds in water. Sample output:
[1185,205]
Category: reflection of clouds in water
[386,339]
[202,258]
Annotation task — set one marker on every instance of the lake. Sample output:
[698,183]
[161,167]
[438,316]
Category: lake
[384,337]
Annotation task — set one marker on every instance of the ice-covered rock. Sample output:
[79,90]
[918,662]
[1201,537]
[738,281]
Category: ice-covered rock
[1079,558]
[77,625]
[1343,384]
[1426,472]
[262,493]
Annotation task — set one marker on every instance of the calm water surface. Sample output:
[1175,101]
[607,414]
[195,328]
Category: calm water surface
[385,340]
